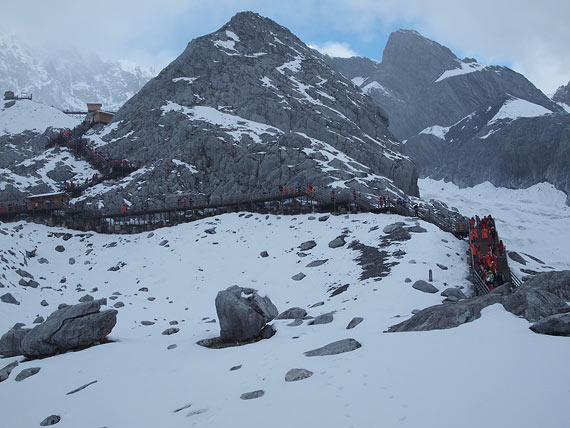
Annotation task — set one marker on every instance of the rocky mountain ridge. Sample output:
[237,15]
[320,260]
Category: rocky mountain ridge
[250,107]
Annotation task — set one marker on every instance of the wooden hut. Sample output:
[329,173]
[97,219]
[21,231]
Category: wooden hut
[102,117]
[93,107]
[48,201]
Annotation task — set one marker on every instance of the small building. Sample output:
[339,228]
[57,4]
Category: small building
[48,200]
[102,117]
[93,107]
[9,95]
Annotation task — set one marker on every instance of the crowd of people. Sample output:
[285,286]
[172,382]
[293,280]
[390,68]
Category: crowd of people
[486,249]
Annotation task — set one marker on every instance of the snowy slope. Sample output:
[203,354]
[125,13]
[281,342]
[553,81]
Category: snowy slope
[423,379]
[530,221]
[28,115]
[515,108]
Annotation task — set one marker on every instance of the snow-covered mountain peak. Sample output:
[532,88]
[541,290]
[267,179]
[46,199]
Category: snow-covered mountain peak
[65,77]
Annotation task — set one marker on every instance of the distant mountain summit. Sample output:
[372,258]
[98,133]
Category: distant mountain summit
[67,79]
[562,95]
[248,108]
[421,83]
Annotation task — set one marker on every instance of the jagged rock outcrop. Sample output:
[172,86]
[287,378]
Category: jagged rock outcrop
[421,83]
[562,95]
[543,296]
[248,108]
[243,313]
[69,328]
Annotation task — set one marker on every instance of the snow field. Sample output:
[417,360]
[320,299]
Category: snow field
[428,379]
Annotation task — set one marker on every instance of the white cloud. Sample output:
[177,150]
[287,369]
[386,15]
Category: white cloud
[335,49]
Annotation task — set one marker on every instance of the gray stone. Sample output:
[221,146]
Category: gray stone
[314,305]
[234,368]
[11,342]
[298,277]
[73,327]
[513,255]
[81,388]
[455,292]
[39,319]
[118,305]
[554,325]
[211,231]
[393,227]
[534,304]
[316,263]
[324,218]
[60,248]
[337,242]
[301,254]
[173,322]
[323,319]
[43,261]
[295,323]
[252,395]
[292,313]
[417,229]
[173,346]
[6,370]
[50,420]
[243,313]
[339,290]
[26,373]
[424,286]
[24,274]
[264,254]
[338,347]
[143,289]
[163,242]
[354,322]
[86,298]
[71,261]
[147,323]
[267,332]
[294,375]
[442,267]
[407,280]
[170,330]
[305,246]
[8,298]
[44,303]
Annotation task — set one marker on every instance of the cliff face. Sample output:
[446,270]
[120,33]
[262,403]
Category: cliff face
[248,108]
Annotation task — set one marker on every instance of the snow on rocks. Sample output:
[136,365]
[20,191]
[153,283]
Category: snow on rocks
[243,313]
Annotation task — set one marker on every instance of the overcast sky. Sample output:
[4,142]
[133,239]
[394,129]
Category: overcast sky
[530,36]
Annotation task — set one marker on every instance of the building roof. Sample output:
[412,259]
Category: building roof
[45,195]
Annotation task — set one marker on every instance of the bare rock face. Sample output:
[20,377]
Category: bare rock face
[554,325]
[11,341]
[69,328]
[243,313]
[242,103]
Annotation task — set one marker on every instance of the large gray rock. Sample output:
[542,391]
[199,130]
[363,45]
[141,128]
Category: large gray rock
[252,395]
[354,322]
[544,295]
[50,420]
[69,328]
[338,347]
[11,342]
[323,319]
[555,325]
[513,255]
[243,313]
[424,286]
